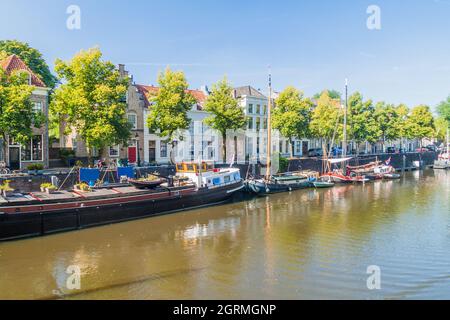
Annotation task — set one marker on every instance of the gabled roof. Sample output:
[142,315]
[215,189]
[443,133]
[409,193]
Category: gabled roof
[148,91]
[248,91]
[14,63]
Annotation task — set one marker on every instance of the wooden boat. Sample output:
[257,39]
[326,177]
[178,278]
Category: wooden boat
[391,176]
[263,187]
[39,214]
[323,184]
[146,184]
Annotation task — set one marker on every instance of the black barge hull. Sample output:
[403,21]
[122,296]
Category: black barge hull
[26,225]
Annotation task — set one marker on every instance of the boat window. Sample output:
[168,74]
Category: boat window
[180,167]
[227,179]
[190,167]
[210,167]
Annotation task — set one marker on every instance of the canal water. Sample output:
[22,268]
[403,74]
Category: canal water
[305,245]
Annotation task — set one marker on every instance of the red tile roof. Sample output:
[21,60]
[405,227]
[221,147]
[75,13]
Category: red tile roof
[147,91]
[14,63]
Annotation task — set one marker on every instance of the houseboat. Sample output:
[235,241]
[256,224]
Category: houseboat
[38,214]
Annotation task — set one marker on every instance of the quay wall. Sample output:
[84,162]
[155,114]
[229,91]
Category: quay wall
[400,162]
[27,183]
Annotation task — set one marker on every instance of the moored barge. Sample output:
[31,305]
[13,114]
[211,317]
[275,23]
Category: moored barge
[39,214]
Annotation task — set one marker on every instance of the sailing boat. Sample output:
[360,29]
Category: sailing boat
[342,175]
[270,184]
[444,158]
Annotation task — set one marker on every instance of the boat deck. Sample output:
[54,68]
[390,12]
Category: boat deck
[69,196]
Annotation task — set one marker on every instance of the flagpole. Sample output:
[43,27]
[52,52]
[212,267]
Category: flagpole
[269,129]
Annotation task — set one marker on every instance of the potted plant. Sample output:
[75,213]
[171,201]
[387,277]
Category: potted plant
[48,188]
[83,187]
[39,167]
[6,189]
[32,169]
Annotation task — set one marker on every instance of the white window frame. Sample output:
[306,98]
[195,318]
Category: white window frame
[31,145]
[116,148]
[135,124]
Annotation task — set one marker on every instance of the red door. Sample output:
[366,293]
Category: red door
[132,155]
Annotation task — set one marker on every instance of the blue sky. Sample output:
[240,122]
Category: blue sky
[309,44]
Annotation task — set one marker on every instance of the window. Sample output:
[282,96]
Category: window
[32,150]
[163,149]
[298,148]
[265,123]
[250,123]
[250,108]
[264,110]
[37,107]
[258,109]
[258,124]
[132,119]
[114,151]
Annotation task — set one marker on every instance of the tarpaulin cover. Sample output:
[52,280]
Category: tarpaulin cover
[125,171]
[89,175]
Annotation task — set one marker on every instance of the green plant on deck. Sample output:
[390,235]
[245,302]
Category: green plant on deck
[48,186]
[83,187]
[5,186]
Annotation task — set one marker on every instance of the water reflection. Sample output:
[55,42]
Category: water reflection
[306,244]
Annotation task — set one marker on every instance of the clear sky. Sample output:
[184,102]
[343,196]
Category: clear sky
[312,44]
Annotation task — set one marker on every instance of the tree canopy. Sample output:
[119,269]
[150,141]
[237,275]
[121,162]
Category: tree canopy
[32,58]
[292,114]
[325,119]
[361,121]
[420,123]
[169,112]
[444,109]
[16,112]
[226,114]
[91,100]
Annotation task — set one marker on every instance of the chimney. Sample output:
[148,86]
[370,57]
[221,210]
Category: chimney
[122,70]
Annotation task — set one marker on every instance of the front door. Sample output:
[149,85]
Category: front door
[132,154]
[305,147]
[152,151]
[14,158]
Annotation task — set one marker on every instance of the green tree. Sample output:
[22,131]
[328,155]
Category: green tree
[291,115]
[402,112]
[387,120]
[32,58]
[91,100]
[333,94]
[444,109]
[420,123]
[442,126]
[169,113]
[16,112]
[326,121]
[226,114]
[361,121]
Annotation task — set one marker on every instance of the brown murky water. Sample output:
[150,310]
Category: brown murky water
[304,245]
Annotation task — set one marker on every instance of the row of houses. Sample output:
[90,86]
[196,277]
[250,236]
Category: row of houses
[146,147]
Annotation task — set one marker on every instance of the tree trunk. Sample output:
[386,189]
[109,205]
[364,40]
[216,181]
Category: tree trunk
[235,149]
[172,148]
[292,148]
[224,148]
[4,148]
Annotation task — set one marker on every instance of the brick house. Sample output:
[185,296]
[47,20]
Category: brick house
[19,156]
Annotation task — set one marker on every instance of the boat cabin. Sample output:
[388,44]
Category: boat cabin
[205,174]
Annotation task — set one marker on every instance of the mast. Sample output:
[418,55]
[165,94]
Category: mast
[269,129]
[344,146]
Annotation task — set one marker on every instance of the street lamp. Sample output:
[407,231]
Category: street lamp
[137,149]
